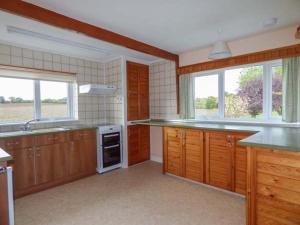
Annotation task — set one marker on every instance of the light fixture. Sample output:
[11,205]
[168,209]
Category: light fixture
[297,35]
[17,30]
[220,49]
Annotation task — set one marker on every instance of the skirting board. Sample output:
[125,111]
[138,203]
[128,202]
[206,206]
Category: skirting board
[156,158]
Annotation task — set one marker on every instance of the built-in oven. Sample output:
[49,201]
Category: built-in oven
[109,149]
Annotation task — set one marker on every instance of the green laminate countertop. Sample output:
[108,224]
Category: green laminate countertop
[4,156]
[286,138]
[46,130]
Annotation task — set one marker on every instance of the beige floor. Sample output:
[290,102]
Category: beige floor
[140,195]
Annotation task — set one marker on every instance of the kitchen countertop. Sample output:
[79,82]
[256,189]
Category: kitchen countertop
[286,138]
[4,156]
[46,130]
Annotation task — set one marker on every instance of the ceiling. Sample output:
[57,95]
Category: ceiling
[179,25]
[27,33]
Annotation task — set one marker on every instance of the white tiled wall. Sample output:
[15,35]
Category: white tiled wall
[113,75]
[163,104]
[91,109]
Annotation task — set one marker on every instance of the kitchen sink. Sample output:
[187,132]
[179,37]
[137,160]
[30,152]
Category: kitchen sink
[46,130]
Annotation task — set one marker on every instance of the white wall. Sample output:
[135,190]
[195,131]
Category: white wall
[264,41]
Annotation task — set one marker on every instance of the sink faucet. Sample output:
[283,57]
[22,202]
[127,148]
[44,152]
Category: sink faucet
[26,126]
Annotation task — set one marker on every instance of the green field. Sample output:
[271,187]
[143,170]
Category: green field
[13,112]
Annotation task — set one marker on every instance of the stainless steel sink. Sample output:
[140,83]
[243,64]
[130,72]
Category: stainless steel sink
[46,130]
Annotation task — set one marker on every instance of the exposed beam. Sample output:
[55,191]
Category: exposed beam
[267,55]
[55,19]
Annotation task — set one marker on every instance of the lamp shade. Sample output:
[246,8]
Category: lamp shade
[220,51]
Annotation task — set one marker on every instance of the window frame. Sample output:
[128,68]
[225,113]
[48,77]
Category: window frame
[37,103]
[267,92]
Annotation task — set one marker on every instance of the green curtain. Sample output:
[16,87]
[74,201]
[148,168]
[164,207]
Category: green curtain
[186,97]
[291,90]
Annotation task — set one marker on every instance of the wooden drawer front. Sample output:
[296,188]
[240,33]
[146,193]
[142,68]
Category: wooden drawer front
[44,139]
[84,134]
[173,151]
[194,157]
[277,187]
[62,137]
[219,159]
[17,143]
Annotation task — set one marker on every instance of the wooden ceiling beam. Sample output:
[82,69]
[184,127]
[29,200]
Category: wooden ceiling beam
[49,17]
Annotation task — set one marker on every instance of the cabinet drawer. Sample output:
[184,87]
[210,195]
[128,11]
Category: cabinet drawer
[84,134]
[16,142]
[44,139]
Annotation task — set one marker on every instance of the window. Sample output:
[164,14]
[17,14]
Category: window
[244,92]
[251,92]
[27,97]
[206,96]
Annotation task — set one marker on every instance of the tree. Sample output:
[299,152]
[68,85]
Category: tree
[211,103]
[235,106]
[252,93]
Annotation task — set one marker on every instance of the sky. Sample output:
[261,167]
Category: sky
[10,87]
[208,85]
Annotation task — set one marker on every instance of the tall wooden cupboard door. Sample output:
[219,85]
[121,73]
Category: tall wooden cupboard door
[138,144]
[193,154]
[173,154]
[137,91]
[219,160]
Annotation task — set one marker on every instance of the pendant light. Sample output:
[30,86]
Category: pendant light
[220,49]
[297,35]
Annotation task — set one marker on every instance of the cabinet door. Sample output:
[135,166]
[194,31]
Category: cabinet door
[60,160]
[74,158]
[24,173]
[193,154]
[143,92]
[173,151]
[88,154]
[240,161]
[144,143]
[44,163]
[133,144]
[219,160]
[132,91]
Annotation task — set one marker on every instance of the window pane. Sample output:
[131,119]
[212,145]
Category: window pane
[206,96]
[244,92]
[16,100]
[54,97]
[276,91]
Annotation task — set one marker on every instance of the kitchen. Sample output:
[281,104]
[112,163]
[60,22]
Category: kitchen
[95,126]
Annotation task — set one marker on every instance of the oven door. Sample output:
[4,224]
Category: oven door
[111,155]
[110,139]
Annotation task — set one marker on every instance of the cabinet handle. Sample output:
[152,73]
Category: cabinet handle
[17,142]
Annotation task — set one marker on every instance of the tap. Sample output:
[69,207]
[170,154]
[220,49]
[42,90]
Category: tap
[26,126]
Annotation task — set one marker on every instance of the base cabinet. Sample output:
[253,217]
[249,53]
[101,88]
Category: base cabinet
[210,157]
[273,187]
[184,153]
[47,160]
[138,144]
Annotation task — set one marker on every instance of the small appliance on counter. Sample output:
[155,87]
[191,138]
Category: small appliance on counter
[109,147]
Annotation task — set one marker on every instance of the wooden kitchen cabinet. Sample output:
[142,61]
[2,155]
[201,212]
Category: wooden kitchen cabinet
[173,153]
[137,91]
[138,144]
[44,164]
[23,169]
[219,160]
[193,147]
[46,160]
[184,153]
[273,187]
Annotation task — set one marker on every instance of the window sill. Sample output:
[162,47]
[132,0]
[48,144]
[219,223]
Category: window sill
[41,122]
